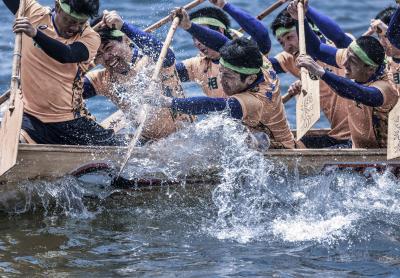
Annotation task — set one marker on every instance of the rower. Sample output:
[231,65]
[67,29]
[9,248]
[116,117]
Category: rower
[372,92]
[122,61]
[391,42]
[204,69]
[252,88]
[57,47]
[333,106]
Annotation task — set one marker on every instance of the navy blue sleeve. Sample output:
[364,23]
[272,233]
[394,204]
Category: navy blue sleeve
[276,65]
[205,105]
[393,32]
[210,38]
[148,44]
[72,53]
[329,28]
[317,49]
[349,89]
[88,89]
[183,73]
[252,26]
[12,5]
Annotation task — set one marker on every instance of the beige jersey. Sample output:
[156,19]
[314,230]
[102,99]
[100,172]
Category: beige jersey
[333,105]
[205,72]
[161,122]
[263,109]
[369,125]
[52,91]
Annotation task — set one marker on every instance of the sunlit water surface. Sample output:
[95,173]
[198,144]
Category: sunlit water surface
[249,217]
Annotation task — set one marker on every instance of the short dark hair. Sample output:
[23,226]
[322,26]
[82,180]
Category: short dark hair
[386,15]
[87,7]
[216,13]
[242,52]
[373,48]
[283,19]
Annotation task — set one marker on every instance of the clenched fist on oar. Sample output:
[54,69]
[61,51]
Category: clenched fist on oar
[218,3]
[305,61]
[22,25]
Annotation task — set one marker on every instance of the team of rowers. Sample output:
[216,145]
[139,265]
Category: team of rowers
[359,78]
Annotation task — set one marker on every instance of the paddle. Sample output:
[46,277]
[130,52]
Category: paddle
[157,70]
[308,102]
[393,139]
[12,119]
[4,97]
[268,11]
[168,18]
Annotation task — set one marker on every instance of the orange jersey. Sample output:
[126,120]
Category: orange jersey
[263,109]
[333,105]
[52,91]
[368,125]
[205,72]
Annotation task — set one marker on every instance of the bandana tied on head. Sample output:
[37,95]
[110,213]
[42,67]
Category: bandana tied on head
[282,31]
[360,53]
[68,10]
[243,70]
[209,21]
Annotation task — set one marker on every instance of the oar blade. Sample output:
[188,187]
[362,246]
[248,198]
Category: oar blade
[308,110]
[393,140]
[9,134]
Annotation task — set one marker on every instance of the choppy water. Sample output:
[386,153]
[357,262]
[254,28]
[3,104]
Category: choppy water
[255,220]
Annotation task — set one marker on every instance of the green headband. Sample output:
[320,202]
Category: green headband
[360,53]
[209,21]
[68,10]
[282,31]
[242,70]
[117,33]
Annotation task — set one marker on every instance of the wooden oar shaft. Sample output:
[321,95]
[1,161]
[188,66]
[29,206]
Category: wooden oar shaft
[164,50]
[4,97]
[169,18]
[163,54]
[16,66]
[268,11]
[302,38]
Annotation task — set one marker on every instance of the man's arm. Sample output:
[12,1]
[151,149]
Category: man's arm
[205,105]
[12,5]
[329,28]
[393,33]
[252,26]
[73,53]
[349,89]
[148,44]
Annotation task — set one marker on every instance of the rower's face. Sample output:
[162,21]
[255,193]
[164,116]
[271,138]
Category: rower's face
[114,55]
[232,83]
[207,52]
[290,42]
[67,25]
[355,68]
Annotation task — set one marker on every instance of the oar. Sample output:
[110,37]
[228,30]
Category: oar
[308,103]
[4,97]
[268,11]
[138,132]
[169,18]
[12,119]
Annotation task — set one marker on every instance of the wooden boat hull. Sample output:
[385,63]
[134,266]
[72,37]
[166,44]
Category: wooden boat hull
[54,161]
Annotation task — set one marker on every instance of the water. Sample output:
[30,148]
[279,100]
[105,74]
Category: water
[254,220]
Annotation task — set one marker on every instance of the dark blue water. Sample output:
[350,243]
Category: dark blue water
[255,221]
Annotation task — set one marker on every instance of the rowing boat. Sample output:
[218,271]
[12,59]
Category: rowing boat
[55,161]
